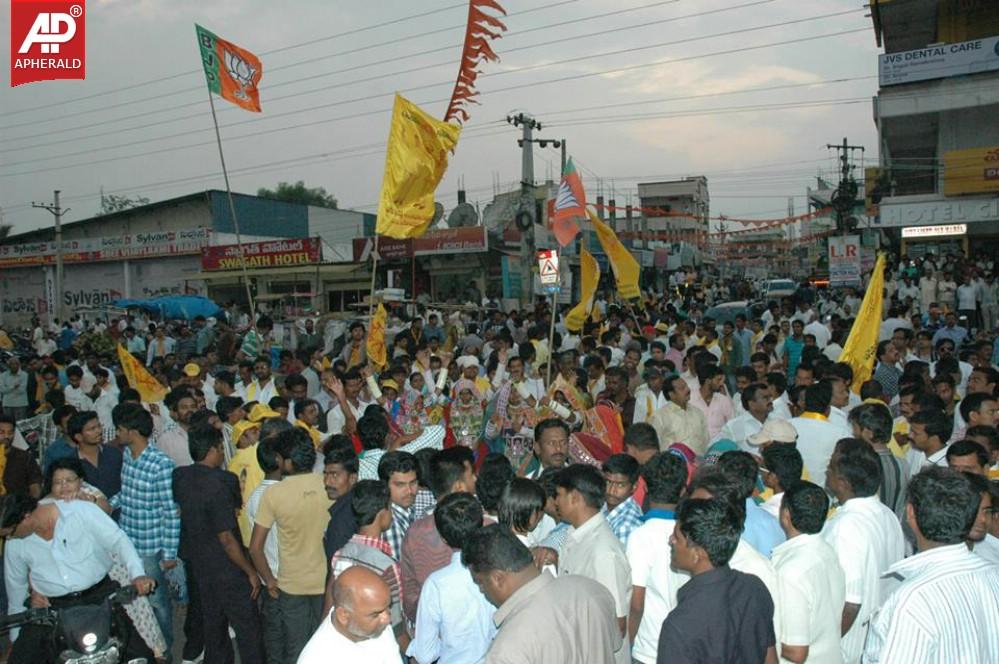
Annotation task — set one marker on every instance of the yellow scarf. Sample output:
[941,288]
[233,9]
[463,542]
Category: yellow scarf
[808,415]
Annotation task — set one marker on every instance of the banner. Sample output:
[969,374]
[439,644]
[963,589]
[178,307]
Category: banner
[940,61]
[589,275]
[844,261]
[622,263]
[376,338]
[437,242]
[974,171]
[275,253]
[232,73]
[139,378]
[119,247]
[415,160]
[861,346]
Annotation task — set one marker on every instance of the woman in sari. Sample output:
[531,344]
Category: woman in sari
[466,416]
[510,422]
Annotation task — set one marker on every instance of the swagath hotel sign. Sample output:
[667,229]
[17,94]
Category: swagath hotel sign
[274,253]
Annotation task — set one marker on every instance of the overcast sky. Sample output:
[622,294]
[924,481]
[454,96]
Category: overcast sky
[704,87]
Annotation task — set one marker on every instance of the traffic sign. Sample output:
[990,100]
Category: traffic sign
[548,266]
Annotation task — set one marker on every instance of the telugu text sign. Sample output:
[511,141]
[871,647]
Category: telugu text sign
[435,242]
[273,253]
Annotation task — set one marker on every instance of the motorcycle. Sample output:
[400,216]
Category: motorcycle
[85,633]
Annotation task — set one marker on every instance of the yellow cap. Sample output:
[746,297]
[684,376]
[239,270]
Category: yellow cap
[241,428]
[390,383]
[191,369]
[262,412]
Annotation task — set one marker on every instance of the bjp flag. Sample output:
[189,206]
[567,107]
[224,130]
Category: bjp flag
[861,346]
[139,378]
[415,161]
[376,338]
[622,263]
[570,205]
[233,73]
[589,271]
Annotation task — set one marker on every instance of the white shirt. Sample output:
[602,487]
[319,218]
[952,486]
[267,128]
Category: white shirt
[816,441]
[650,569]
[328,645]
[967,296]
[811,586]
[739,429]
[748,560]
[772,507]
[432,437]
[890,325]
[271,543]
[264,394]
[833,351]
[820,331]
[335,419]
[76,397]
[647,403]
[867,538]
[946,611]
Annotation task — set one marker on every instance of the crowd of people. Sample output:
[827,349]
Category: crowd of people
[655,487]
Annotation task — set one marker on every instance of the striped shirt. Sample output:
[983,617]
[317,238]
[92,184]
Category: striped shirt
[402,517]
[944,612]
[432,436]
[624,518]
[375,555]
[149,515]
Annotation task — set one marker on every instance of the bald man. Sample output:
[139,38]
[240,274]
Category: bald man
[355,630]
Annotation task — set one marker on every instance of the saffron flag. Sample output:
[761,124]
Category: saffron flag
[861,346]
[622,263]
[589,271]
[139,378]
[570,205]
[415,161]
[376,338]
[233,73]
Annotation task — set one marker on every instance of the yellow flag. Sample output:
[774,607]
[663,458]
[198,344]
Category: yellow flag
[622,263]
[376,338]
[589,271]
[415,161]
[861,346]
[139,377]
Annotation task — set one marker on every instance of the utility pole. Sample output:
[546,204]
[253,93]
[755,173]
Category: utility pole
[57,212]
[526,213]
[845,196]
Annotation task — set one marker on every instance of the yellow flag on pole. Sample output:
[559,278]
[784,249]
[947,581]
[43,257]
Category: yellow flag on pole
[376,338]
[622,263]
[589,271]
[139,378]
[415,161]
[861,346]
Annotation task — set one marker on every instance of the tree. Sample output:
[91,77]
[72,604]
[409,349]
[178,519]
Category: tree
[112,203]
[299,193]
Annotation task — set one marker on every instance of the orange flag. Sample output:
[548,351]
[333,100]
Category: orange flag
[139,377]
[233,73]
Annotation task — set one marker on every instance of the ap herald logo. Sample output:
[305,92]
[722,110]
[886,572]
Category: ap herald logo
[47,41]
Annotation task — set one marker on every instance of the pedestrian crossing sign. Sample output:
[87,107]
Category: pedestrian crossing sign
[548,266]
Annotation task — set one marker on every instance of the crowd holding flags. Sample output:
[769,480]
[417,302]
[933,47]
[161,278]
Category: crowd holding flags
[861,346]
[139,377]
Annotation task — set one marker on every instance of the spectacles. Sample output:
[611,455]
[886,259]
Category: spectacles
[65,481]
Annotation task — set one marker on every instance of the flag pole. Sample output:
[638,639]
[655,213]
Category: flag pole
[232,211]
[374,271]
[551,341]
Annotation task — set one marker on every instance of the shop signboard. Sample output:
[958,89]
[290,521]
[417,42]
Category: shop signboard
[974,171]
[120,247]
[273,253]
[941,211]
[440,241]
[917,232]
[844,261]
[939,61]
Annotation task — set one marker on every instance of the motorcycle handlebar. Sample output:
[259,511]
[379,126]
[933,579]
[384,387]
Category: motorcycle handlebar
[124,595]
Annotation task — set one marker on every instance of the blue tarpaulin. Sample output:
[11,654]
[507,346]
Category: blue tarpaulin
[184,307]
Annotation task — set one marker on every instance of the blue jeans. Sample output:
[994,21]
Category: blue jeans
[160,598]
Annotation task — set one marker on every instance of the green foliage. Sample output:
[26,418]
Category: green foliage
[299,193]
[112,203]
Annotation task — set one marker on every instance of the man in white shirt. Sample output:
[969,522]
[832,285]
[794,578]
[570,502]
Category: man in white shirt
[757,406]
[811,584]
[866,536]
[945,609]
[910,290]
[894,321]
[590,548]
[817,435]
[262,389]
[781,469]
[349,406]
[678,421]
[355,630]
[929,431]
[654,583]
[821,333]
[649,397]
[967,302]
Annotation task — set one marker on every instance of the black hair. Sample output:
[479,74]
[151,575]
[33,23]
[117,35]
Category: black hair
[72,463]
[818,397]
[872,389]
[622,464]
[973,403]
[546,479]
[295,380]
[457,516]
[785,462]
[642,436]
[706,372]
[936,423]
[338,441]
[807,504]
[494,474]
[395,461]
[62,412]
[300,406]
[549,423]
[372,430]
[713,525]
[750,393]
[272,426]
[127,394]
[877,418]
[840,370]
[858,464]
[74,371]
[226,377]
[267,457]
[295,445]
[742,469]
[133,416]
[76,423]
[778,381]
[15,506]
[369,497]
[495,547]
[746,372]
[521,499]
[985,431]
[176,395]
[201,439]
[226,405]
[720,485]
[277,403]
[965,447]
[585,479]
[665,478]
[343,457]
[447,467]
[944,504]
